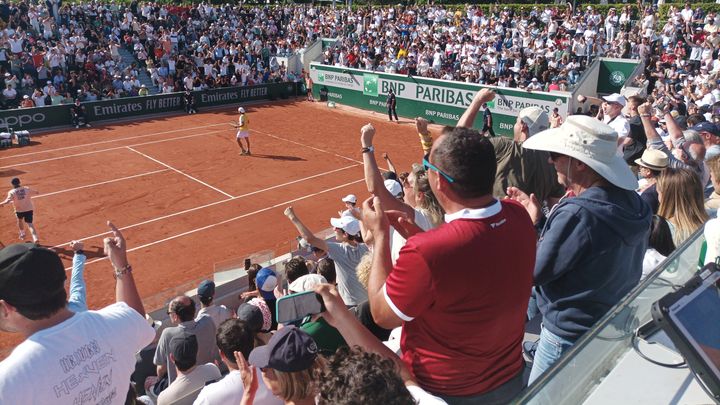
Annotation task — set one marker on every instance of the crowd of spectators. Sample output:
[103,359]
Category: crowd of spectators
[55,52]
[479,237]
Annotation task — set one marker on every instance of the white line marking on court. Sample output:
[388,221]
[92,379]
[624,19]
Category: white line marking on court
[107,150]
[108,141]
[101,183]
[307,146]
[227,221]
[180,172]
[210,204]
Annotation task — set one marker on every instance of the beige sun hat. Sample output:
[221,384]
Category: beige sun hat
[591,142]
[653,159]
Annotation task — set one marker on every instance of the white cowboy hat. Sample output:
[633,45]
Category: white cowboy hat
[591,142]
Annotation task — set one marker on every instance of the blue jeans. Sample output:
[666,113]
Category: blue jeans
[77,300]
[549,350]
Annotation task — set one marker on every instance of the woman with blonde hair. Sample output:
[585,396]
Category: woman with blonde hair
[290,367]
[681,202]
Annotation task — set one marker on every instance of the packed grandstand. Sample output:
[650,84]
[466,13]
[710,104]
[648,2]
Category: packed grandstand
[415,297]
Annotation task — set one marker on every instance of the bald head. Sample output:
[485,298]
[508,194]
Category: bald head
[183,307]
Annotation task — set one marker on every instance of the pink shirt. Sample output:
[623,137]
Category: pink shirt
[21,199]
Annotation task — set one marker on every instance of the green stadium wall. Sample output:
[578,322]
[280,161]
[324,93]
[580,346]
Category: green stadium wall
[55,116]
[440,101]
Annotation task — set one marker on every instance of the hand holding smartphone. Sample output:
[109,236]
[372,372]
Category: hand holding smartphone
[294,307]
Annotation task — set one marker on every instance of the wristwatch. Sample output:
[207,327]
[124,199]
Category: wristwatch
[367,149]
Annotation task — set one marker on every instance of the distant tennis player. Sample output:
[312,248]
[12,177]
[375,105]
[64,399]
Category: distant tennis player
[21,198]
[243,132]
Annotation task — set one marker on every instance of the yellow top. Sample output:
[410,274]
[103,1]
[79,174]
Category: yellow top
[243,122]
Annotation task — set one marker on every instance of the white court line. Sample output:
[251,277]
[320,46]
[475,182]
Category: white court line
[99,184]
[180,172]
[307,146]
[108,141]
[107,150]
[209,205]
[227,221]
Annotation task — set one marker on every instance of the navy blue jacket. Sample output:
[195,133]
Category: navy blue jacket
[589,256]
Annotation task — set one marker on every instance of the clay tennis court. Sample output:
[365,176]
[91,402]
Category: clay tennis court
[184,197]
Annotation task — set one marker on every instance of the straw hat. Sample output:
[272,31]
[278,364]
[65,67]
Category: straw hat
[653,159]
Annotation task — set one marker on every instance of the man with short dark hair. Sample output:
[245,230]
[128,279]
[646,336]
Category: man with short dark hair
[191,377]
[463,320]
[233,336]
[21,198]
[52,365]
[518,167]
[182,313]
[295,268]
[206,295]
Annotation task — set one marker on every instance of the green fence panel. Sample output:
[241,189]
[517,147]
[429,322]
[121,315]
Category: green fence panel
[133,106]
[232,95]
[613,75]
[440,101]
[34,118]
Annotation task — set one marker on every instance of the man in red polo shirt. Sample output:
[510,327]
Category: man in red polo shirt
[460,291]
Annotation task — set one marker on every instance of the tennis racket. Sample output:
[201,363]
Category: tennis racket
[234,125]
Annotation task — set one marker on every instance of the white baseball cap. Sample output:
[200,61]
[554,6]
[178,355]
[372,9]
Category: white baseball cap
[394,187]
[242,110]
[307,282]
[347,223]
[616,98]
[535,118]
[350,198]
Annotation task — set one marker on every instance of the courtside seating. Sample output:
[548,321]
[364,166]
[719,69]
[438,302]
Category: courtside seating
[22,138]
[5,140]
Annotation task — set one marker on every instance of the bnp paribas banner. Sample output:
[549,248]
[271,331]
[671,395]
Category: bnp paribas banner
[440,101]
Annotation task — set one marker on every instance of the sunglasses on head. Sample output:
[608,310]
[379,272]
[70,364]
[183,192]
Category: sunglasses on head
[429,166]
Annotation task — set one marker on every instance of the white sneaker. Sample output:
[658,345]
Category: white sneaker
[22,235]
[77,126]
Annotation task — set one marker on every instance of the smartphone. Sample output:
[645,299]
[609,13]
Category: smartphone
[247,264]
[294,307]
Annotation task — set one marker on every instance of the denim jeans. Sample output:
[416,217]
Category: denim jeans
[549,350]
[77,300]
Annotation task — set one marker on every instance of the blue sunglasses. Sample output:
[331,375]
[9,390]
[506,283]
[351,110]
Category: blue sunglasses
[427,166]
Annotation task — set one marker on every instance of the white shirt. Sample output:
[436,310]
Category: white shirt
[186,387]
[229,390]
[91,354]
[619,124]
[218,313]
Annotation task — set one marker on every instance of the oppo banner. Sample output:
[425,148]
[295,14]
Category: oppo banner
[55,116]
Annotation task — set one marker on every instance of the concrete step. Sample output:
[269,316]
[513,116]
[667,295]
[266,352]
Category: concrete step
[127,58]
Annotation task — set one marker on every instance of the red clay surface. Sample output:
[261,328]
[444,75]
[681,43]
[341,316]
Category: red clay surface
[184,197]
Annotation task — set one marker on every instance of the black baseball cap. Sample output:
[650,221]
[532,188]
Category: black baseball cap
[252,315]
[206,289]
[184,348]
[289,350]
[30,275]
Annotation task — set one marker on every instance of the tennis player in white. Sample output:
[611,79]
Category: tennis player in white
[243,131]
[21,198]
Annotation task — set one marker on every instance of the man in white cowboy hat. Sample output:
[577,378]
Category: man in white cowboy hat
[243,132]
[591,246]
[651,164]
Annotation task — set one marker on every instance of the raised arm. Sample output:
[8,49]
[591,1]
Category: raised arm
[391,166]
[426,138]
[125,288]
[468,117]
[354,333]
[304,231]
[373,178]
